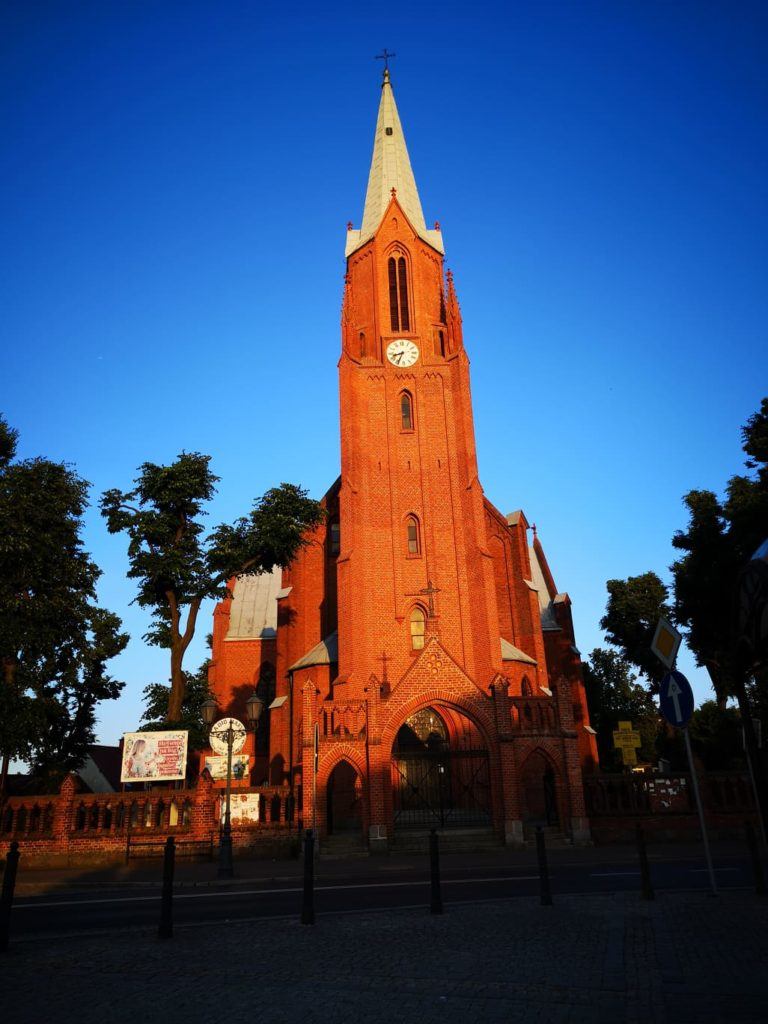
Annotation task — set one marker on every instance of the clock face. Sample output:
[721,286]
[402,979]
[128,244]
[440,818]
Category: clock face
[402,352]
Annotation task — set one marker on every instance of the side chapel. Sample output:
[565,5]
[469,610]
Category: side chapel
[418,640]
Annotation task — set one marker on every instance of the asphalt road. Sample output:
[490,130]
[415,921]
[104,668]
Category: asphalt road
[386,887]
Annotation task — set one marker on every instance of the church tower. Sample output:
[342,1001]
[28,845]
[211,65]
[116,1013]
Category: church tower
[424,663]
[413,561]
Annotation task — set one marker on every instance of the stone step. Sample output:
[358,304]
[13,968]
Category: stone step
[553,836]
[451,840]
[343,846]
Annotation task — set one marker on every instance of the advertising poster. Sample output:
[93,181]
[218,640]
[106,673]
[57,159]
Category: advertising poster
[217,766]
[154,756]
[243,809]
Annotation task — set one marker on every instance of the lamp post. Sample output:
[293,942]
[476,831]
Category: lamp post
[253,707]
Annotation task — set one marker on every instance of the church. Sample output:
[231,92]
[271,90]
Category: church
[419,661]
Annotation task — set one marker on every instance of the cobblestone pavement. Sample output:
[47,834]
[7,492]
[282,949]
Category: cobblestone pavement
[684,958]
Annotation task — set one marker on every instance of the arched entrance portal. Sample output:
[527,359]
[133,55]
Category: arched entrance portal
[345,790]
[539,791]
[440,772]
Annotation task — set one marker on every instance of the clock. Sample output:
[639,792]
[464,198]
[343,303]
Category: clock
[402,352]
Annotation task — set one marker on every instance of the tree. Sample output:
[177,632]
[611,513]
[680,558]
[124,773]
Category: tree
[55,640]
[614,695]
[721,538]
[716,736]
[633,610]
[177,567]
[196,692]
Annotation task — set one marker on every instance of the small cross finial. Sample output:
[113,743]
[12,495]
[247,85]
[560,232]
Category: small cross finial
[350,225]
[533,527]
[385,57]
[393,191]
[384,658]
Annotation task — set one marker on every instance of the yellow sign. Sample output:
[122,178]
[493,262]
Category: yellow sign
[627,740]
[666,642]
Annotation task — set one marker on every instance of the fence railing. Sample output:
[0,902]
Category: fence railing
[651,794]
[158,813]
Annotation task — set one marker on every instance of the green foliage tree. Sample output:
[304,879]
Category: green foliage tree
[721,538]
[55,641]
[177,567]
[716,736]
[614,695]
[633,610]
[196,692]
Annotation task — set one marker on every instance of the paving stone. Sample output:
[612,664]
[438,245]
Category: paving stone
[590,959]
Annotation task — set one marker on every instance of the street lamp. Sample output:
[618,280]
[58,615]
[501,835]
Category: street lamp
[254,707]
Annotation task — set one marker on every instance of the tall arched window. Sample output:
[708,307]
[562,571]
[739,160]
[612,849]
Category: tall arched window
[406,411]
[363,351]
[412,536]
[418,628]
[525,687]
[398,294]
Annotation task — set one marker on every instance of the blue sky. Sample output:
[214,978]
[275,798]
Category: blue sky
[177,177]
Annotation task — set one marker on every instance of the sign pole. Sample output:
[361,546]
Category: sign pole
[700,808]
[315,759]
[676,705]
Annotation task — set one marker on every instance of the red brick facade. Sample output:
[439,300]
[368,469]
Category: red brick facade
[408,515]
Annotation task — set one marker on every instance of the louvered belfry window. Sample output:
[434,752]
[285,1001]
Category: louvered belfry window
[398,294]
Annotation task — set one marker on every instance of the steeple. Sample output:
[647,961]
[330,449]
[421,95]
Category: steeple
[390,169]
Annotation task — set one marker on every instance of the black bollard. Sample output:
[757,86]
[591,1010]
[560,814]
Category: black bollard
[754,853]
[646,889]
[308,902]
[541,854]
[165,931]
[435,899]
[6,899]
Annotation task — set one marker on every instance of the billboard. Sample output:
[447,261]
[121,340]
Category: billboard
[154,756]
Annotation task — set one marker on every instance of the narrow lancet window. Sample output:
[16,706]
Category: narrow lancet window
[412,535]
[393,307]
[418,628]
[334,538]
[402,275]
[406,411]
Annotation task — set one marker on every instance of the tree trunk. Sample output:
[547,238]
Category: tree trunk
[178,683]
[9,675]
[753,754]
[179,644]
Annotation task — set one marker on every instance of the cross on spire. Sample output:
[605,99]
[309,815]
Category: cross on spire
[385,57]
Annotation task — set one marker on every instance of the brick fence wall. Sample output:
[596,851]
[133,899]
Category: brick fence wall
[665,805]
[75,828]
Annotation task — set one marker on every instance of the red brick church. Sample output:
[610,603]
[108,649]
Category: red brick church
[419,660]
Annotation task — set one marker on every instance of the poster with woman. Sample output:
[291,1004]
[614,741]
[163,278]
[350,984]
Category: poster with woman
[154,756]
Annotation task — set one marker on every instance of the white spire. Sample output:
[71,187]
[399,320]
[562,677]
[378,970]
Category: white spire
[390,168]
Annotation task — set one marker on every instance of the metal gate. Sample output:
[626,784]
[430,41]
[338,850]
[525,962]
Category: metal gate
[441,789]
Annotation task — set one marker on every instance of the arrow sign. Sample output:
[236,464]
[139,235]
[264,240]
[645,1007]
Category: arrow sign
[676,699]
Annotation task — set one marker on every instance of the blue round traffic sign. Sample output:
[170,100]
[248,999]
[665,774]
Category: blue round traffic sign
[676,699]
